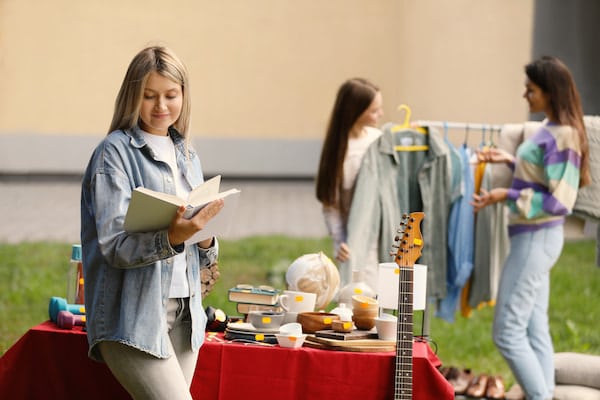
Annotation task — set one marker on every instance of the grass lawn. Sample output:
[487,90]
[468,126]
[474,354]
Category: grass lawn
[31,273]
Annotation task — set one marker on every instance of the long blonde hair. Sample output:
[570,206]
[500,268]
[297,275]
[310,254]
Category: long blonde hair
[151,59]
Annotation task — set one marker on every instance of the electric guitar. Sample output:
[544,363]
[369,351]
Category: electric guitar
[410,243]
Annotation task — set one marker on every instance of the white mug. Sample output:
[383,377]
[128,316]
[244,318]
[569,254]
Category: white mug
[386,325]
[297,302]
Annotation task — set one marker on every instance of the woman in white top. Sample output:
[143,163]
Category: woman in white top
[352,128]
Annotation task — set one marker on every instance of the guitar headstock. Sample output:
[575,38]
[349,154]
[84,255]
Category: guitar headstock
[409,240]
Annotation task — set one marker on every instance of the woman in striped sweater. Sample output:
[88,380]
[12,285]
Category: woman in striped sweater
[549,167]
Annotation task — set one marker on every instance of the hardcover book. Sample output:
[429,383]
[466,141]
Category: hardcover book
[254,295]
[244,308]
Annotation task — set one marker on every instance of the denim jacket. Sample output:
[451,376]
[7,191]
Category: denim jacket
[128,275]
[391,183]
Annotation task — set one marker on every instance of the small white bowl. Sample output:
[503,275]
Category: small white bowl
[291,329]
[292,342]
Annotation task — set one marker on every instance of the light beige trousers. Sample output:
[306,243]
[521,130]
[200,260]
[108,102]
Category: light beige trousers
[147,377]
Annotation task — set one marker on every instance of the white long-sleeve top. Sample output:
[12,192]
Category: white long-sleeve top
[335,220]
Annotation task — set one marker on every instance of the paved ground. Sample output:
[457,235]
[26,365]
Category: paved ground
[48,209]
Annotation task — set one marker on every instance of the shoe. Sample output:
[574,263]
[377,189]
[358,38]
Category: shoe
[515,393]
[495,388]
[444,371]
[459,379]
[477,386]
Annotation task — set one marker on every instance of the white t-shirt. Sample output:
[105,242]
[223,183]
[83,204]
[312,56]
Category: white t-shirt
[164,150]
[357,147]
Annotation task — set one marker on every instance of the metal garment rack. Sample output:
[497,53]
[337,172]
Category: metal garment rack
[458,125]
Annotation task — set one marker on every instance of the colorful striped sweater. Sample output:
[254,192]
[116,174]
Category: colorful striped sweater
[546,179]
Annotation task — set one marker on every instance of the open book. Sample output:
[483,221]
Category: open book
[150,210]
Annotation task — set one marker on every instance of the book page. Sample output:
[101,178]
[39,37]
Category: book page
[221,223]
[169,198]
[193,209]
[204,192]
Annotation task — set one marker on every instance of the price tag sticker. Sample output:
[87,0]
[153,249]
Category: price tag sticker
[418,241]
[259,337]
[292,338]
[358,290]
[327,320]
[397,271]
[347,324]
[299,299]
[83,318]
[82,310]
[266,320]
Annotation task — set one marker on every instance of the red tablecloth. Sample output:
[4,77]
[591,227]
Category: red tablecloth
[48,362]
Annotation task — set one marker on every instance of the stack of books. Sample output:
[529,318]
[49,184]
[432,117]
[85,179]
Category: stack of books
[250,298]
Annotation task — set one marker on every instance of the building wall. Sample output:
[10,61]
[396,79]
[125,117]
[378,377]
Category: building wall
[264,73]
[569,30]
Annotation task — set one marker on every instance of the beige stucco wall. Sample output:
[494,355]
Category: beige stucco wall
[263,69]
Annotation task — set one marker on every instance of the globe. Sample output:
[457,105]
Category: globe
[314,273]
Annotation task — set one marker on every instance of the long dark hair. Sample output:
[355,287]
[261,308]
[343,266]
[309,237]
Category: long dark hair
[555,80]
[353,98]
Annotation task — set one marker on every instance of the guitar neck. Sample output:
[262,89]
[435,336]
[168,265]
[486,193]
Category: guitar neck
[409,250]
[404,336]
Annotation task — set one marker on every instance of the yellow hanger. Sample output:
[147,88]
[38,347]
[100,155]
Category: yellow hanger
[406,125]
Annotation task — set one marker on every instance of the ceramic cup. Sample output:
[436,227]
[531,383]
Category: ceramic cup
[386,326]
[297,302]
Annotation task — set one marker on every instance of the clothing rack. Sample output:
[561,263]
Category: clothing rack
[458,125]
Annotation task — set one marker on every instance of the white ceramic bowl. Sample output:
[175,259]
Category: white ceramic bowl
[292,342]
[291,329]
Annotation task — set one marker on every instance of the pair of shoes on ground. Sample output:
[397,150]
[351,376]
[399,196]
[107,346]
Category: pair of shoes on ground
[489,386]
[459,379]
[477,386]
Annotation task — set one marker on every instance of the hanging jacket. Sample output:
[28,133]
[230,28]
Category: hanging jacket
[391,183]
[461,238]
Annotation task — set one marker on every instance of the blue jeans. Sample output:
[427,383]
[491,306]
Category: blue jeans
[521,329]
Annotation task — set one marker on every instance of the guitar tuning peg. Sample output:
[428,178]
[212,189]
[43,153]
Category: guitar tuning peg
[396,238]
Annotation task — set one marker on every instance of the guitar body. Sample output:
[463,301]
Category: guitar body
[410,243]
